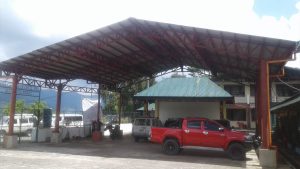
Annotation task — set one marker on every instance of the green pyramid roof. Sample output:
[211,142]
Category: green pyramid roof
[199,88]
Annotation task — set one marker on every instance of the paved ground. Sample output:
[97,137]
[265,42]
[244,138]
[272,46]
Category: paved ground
[114,154]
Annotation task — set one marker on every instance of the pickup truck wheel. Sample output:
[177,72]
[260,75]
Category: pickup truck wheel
[171,147]
[236,151]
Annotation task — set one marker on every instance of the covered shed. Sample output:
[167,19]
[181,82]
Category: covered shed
[125,52]
[186,97]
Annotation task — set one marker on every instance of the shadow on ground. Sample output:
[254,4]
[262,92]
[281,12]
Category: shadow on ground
[127,148]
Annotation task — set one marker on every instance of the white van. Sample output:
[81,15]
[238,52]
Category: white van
[23,124]
[75,120]
[142,127]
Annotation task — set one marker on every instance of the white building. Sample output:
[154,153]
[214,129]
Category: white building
[186,97]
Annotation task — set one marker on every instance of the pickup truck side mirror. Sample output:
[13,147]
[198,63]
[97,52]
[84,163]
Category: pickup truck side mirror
[221,129]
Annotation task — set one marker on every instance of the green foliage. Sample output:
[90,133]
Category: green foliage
[111,99]
[20,107]
[129,91]
[36,107]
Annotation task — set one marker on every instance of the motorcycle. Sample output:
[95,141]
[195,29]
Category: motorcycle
[114,130]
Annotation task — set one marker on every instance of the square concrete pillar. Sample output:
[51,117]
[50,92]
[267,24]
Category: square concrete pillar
[267,158]
[10,141]
[56,138]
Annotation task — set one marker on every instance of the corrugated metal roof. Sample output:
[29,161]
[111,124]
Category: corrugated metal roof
[134,48]
[185,87]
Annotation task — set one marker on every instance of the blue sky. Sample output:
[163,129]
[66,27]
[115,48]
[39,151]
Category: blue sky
[276,8]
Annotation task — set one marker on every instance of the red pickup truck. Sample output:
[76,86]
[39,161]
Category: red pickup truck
[202,133]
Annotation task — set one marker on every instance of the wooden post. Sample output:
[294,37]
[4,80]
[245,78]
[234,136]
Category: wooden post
[145,107]
[157,109]
[221,110]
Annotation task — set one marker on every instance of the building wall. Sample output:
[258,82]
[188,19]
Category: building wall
[248,99]
[209,110]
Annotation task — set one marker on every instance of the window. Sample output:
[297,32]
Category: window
[156,123]
[286,91]
[73,118]
[194,124]
[24,120]
[235,90]
[236,114]
[211,126]
[140,122]
[31,120]
[252,90]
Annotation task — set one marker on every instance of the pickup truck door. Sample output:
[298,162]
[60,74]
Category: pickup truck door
[211,135]
[192,133]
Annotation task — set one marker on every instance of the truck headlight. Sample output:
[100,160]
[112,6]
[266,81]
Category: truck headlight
[248,137]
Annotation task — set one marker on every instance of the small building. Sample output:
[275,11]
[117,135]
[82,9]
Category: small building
[186,97]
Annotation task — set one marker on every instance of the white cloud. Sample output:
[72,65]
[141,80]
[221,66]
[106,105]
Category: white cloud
[75,17]
[296,63]
[69,18]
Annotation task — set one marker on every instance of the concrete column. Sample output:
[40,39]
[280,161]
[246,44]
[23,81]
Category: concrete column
[58,104]
[56,137]
[98,110]
[10,141]
[97,134]
[248,117]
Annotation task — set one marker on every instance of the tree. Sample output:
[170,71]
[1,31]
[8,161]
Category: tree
[36,107]
[20,107]
[110,101]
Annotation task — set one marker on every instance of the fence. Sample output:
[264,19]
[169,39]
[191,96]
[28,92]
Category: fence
[29,125]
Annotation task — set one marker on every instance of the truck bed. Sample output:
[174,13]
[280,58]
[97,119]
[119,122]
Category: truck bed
[158,133]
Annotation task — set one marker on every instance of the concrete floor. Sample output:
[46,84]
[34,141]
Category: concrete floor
[114,154]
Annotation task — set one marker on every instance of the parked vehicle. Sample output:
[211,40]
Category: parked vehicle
[69,120]
[23,124]
[142,126]
[114,131]
[202,133]
[173,123]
